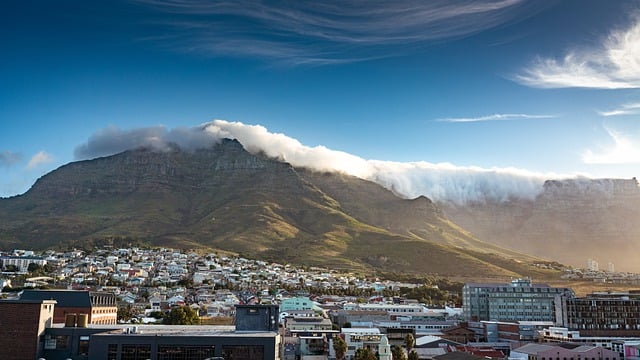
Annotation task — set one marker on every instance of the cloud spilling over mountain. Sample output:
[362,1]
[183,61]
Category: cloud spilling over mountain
[441,182]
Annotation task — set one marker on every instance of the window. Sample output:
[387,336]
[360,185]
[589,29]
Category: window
[112,351]
[62,341]
[242,352]
[136,352]
[83,346]
[185,352]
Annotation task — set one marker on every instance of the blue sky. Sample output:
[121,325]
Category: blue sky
[534,89]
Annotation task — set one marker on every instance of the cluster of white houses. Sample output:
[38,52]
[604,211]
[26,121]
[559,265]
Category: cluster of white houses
[519,320]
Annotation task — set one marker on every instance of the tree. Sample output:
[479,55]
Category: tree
[182,315]
[413,355]
[125,313]
[156,314]
[365,354]
[397,353]
[11,268]
[409,342]
[340,347]
[34,267]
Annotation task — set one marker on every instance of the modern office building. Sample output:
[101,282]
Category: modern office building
[519,300]
[602,314]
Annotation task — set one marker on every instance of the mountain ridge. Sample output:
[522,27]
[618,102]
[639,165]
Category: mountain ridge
[226,198]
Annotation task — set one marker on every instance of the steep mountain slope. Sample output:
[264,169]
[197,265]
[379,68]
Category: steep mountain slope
[570,221]
[228,199]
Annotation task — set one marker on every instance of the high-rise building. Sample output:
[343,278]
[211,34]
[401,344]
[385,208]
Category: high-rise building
[519,300]
[592,265]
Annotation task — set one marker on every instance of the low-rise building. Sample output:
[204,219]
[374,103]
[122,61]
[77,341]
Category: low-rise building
[22,325]
[364,338]
[566,351]
[101,307]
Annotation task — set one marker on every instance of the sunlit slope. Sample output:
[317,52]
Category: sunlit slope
[228,199]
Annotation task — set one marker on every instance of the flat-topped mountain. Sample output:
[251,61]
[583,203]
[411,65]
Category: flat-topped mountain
[226,198]
[569,221]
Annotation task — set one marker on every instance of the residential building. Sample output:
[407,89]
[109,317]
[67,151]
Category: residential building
[364,338]
[307,324]
[565,351]
[21,262]
[297,303]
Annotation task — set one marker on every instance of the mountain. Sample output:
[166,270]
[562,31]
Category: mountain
[570,221]
[226,198]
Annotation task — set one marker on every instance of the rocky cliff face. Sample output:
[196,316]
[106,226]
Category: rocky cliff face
[226,198]
[570,221]
[151,171]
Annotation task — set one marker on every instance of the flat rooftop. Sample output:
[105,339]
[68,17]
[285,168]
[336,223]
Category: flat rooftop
[172,330]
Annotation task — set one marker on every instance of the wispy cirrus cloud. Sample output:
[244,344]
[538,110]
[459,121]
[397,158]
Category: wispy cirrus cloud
[8,158]
[614,64]
[624,150]
[40,158]
[496,117]
[625,109]
[322,32]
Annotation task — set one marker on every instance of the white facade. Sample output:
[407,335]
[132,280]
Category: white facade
[390,308]
[22,262]
[359,338]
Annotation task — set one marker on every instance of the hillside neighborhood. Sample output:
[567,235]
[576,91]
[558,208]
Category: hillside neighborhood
[312,313]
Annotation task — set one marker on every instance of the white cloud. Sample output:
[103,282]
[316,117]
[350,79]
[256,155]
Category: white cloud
[441,182]
[626,109]
[497,117]
[38,159]
[324,32]
[615,64]
[624,150]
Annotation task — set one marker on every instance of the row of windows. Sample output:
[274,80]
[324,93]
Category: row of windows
[535,307]
[184,352]
[104,310]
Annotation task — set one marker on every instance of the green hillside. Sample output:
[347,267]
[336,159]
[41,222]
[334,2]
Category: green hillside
[225,198]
